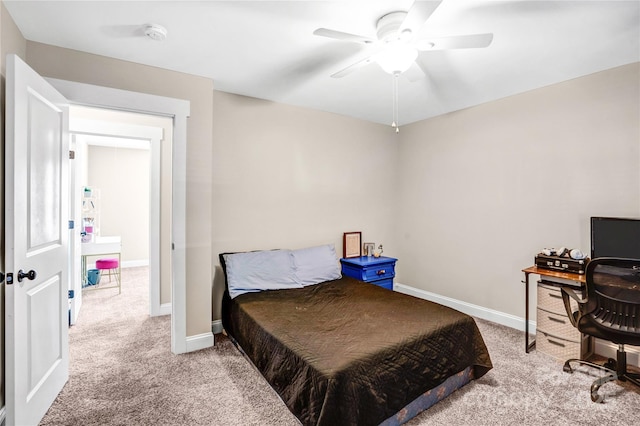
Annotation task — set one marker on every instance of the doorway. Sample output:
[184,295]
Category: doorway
[96,134]
[178,111]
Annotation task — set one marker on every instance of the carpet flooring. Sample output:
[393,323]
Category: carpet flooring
[122,372]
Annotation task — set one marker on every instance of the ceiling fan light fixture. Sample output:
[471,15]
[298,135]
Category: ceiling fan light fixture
[396,58]
[405,35]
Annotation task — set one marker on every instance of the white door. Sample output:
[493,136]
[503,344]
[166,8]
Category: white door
[36,222]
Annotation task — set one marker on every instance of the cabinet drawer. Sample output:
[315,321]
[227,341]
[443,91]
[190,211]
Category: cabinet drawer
[556,325]
[369,273]
[557,347]
[379,272]
[550,299]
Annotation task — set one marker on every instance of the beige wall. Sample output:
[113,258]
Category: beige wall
[121,175]
[55,62]
[11,41]
[481,191]
[288,177]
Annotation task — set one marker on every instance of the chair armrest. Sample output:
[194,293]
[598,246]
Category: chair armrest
[568,292]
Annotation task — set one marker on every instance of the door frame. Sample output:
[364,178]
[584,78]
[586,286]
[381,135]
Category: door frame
[81,129]
[179,110]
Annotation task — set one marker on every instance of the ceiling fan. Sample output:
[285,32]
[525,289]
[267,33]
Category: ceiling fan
[396,48]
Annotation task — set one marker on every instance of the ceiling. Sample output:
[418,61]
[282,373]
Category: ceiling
[267,50]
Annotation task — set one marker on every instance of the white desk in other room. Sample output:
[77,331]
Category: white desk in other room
[101,246]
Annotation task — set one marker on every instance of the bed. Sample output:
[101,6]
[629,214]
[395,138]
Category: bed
[340,351]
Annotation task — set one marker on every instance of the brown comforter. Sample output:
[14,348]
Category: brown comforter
[349,353]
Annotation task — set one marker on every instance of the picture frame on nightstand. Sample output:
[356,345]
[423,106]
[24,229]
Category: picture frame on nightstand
[368,249]
[351,244]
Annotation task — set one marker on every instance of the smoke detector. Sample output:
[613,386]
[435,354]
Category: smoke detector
[156,32]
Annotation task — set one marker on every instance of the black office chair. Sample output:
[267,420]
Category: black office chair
[610,311]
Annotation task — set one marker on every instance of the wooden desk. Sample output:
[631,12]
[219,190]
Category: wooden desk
[101,246]
[569,276]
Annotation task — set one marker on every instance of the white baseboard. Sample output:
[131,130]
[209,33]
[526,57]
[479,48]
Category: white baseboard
[199,341]
[602,347]
[135,263]
[165,309]
[216,326]
[468,308]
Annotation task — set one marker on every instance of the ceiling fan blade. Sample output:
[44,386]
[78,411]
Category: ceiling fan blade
[339,35]
[352,67]
[455,42]
[414,73]
[418,14]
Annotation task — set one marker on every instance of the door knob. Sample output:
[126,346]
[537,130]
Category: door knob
[31,275]
[1,277]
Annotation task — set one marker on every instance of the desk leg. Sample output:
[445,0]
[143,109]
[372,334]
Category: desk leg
[83,267]
[527,346]
[119,274]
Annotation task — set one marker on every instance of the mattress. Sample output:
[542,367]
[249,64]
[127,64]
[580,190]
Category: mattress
[345,352]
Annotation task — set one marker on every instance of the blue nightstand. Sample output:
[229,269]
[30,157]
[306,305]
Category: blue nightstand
[375,270]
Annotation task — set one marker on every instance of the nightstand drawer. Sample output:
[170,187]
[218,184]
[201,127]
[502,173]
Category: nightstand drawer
[379,272]
[369,273]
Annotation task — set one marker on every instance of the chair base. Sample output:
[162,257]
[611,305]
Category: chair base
[617,370]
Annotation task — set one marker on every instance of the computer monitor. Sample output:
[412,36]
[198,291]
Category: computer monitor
[615,237]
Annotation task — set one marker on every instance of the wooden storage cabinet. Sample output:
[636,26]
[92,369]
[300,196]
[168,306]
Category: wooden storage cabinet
[555,335]
[375,270]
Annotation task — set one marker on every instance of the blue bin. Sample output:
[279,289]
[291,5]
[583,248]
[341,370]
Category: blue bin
[93,276]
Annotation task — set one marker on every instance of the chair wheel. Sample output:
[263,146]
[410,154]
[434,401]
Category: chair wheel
[594,392]
[567,367]
[596,398]
[610,364]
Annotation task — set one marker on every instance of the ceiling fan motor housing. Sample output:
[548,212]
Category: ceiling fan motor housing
[388,26]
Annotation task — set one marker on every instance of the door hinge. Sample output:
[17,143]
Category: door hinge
[71,224]
[72,155]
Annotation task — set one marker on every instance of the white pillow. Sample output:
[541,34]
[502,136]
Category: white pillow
[315,265]
[259,270]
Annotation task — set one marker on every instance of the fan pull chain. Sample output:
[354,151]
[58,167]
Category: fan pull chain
[394,89]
